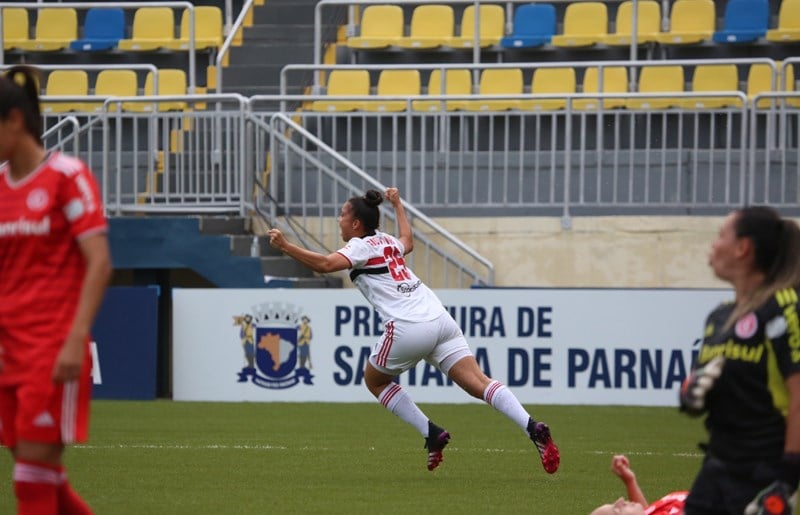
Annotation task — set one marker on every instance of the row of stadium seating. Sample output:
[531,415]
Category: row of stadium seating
[585,24]
[153,28]
[550,81]
[112,83]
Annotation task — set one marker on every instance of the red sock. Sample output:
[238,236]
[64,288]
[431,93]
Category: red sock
[69,502]
[36,486]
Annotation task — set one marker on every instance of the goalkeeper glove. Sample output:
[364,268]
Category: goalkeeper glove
[776,499]
[695,387]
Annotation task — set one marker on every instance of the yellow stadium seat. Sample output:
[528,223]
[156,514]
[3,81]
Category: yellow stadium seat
[153,28]
[432,26]
[714,78]
[759,80]
[615,80]
[15,27]
[690,22]
[585,24]
[381,27]
[457,82]
[207,29]
[492,27]
[170,83]
[659,79]
[395,83]
[55,29]
[647,27]
[788,23]
[550,81]
[66,83]
[497,82]
[344,83]
[114,83]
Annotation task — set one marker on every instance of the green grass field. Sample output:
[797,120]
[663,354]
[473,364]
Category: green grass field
[174,458]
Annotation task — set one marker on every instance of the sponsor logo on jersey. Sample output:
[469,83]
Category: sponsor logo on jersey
[25,227]
[746,326]
[37,199]
[276,341]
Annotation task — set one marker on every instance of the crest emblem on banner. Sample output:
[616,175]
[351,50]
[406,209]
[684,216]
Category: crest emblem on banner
[276,340]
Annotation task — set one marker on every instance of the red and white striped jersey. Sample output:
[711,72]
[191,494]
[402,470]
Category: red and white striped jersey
[379,271]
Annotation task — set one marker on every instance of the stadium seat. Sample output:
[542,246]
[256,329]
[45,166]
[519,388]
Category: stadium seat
[745,21]
[690,22]
[457,82]
[64,83]
[585,24]
[207,29]
[759,80]
[102,30]
[615,80]
[170,82]
[534,26]
[788,29]
[395,83]
[497,82]
[714,78]
[153,28]
[659,79]
[548,81]
[55,29]
[15,27]
[344,83]
[647,28]
[114,83]
[432,26]
[492,27]
[381,27]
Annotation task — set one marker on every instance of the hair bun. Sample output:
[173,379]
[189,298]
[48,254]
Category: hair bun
[373,198]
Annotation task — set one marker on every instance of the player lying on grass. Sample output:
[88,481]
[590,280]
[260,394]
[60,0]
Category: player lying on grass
[636,504]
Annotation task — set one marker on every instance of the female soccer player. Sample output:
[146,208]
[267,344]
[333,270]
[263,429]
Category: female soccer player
[54,268]
[416,325]
[636,504]
[747,379]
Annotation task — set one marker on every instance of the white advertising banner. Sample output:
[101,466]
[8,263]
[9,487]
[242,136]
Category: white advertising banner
[550,346]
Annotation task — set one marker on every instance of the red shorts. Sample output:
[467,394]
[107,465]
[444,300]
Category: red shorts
[39,410]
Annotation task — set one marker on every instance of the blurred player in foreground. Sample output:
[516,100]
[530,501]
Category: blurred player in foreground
[670,504]
[54,268]
[747,378]
[416,324]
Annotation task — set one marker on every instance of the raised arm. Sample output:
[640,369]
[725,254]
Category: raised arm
[317,262]
[406,235]
[622,468]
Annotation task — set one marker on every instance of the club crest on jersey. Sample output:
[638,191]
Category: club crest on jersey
[276,341]
[37,199]
[746,326]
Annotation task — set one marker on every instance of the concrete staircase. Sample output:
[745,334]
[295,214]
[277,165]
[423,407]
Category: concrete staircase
[282,33]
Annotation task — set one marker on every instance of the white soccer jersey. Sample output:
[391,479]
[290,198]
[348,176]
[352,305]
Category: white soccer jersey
[379,271]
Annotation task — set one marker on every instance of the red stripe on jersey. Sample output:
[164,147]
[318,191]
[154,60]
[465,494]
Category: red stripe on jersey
[375,261]
[386,345]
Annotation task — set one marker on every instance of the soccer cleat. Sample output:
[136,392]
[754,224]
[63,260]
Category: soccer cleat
[548,452]
[435,442]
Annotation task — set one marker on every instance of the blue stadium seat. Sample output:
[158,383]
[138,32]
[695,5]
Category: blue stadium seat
[102,30]
[744,21]
[534,25]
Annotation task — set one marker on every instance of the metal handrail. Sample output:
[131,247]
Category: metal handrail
[226,45]
[69,120]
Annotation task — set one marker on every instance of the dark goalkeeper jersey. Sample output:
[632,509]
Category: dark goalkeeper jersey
[749,402]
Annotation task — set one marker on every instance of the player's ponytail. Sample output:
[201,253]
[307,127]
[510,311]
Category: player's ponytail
[19,89]
[365,208]
[776,248]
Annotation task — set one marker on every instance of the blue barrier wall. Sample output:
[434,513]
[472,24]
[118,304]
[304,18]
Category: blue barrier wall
[126,337]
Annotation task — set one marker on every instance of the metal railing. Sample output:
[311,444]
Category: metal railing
[310,189]
[229,39]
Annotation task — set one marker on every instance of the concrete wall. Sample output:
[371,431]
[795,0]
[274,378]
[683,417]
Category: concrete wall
[621,251]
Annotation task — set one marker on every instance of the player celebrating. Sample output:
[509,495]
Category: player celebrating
[54,268]
[416,325]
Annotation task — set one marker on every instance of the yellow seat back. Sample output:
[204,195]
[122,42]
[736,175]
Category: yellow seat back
[432,26]
[115,83]
[153,28]
[585,24]
[55,29]
[659,79]
[498,82]
[714,78]
[615,80]
[344,83]
[207,28]
[395,83]
[15,27]
[492,27]
[550,81]
[691,21]
[648,24]
[66,83]
[457,82]
[381,26]
[170,83]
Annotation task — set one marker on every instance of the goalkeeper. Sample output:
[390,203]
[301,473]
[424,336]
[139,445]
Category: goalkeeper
[747,382]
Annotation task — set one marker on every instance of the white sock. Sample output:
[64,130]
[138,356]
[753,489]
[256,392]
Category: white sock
[396,400]
[500,398]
